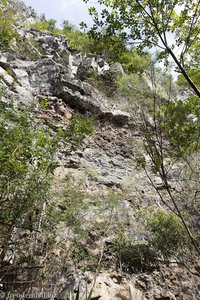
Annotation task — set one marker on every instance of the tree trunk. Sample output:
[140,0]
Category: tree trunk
[183,72]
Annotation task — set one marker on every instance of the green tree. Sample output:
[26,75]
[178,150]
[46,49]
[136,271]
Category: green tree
[192,65]
[110,47]
[28,159]
[7,29]
[149,23]
[78,129]
[26,165]
[47,24]
[167,234]
[171,140]
[135,61]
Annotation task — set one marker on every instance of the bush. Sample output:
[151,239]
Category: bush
[75,38]
[134,61]
[71,204]
[111,48]
[134,256]
[134,92]
[167,233]
[77,130]
[105,83]
[26,164]
[49,25]
[79,253]
[27,218]
[7,29]
[179,121]
[164,237]
[29,48]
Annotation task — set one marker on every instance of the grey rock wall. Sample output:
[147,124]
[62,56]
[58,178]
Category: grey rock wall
[55,73]
[105,160]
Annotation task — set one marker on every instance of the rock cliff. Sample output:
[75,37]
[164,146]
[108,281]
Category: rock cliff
[41,65]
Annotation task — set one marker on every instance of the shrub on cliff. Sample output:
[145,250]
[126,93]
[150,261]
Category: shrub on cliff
[7,28]
[167,234]
[26,165]
[48,25]
[135,62]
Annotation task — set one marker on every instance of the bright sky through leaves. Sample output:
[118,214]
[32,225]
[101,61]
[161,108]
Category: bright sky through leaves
[74,11]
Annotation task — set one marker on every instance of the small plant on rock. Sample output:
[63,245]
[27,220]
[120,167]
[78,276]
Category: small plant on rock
[78,129]
[133,256]
[167,233]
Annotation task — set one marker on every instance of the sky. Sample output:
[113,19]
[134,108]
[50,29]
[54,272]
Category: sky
[74,11]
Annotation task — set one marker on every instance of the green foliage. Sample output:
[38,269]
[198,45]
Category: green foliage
[134,61]
[148,24]
[49,25]
[165,237]
[27,161]
[71,206]
[7,29]
[68,27]
[44,103]
[194,75]
[140,161]
[134,256]
[75,37]
[192,63]
[179,122]
[78,129]
[29,48]
[167,233]
[41,25]
[26,165]
[171,139]
[133,90]
[86,218]
[105,83]
[79,253]
[109,47]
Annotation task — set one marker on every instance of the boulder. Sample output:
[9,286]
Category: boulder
[116,68]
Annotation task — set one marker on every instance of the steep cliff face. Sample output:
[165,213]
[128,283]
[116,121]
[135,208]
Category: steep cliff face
[41,65]
[53,72]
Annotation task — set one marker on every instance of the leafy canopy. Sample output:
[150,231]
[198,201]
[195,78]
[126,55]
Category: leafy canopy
[192,65]
[147,23]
